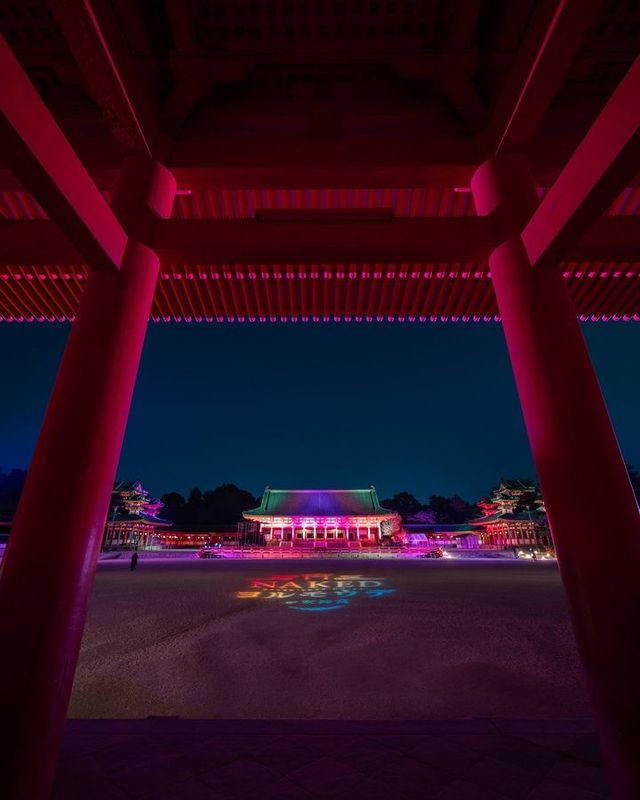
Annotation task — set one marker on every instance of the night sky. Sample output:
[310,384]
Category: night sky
[429,409]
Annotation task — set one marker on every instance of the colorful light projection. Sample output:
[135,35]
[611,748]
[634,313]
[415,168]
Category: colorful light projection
[315,591]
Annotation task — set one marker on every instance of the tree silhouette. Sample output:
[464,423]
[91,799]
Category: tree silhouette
[174,507]
[220,506]
[451,510]
[224,504]
[404,503]
[11,484]
[634,477]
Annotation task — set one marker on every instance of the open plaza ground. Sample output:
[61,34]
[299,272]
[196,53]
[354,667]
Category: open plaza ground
[340,679]
[329,639]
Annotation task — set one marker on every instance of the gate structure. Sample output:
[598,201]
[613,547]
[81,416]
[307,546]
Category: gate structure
[273,161]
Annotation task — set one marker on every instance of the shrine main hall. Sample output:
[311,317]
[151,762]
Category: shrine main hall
[323,516]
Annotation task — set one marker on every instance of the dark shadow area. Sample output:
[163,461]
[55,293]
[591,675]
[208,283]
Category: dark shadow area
[174,759]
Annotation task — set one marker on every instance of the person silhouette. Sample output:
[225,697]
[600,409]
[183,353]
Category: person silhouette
[134,560]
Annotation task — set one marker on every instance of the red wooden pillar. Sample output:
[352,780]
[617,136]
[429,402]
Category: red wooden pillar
[592,510]
[48,569]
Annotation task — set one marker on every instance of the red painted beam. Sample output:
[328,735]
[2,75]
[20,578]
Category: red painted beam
[605,160]
[36,242]
[111,75]
[570,433]
[445,239]
[75,460]
[274,242]
[36,150]
[234,162]
[556,31]
[615,239]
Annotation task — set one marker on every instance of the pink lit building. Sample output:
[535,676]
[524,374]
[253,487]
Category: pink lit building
[324,518]
[133,519]
[514,515]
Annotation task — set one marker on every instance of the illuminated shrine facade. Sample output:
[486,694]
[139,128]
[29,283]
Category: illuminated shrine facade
[133,519]
[324,518]
[514,515]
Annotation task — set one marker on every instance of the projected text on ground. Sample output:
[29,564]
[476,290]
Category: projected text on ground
[321,591]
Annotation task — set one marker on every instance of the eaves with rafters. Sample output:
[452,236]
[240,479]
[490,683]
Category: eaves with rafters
[323,151]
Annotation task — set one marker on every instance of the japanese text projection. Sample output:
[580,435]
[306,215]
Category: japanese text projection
[316,591]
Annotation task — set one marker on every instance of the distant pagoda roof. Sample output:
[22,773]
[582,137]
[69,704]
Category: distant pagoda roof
[129,486]
[140,519]
[520,516]
[319,503]
[515,484]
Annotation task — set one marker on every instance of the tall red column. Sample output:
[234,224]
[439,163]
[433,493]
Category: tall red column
[592,510]
[48,569]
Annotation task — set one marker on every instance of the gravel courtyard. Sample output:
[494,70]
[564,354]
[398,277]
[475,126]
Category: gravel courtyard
[328,640]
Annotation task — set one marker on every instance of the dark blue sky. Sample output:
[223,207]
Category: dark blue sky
[431,409]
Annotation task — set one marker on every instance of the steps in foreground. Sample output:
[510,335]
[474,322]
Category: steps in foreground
[179,759]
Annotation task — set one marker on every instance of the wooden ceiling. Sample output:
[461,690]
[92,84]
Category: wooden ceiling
[323,149]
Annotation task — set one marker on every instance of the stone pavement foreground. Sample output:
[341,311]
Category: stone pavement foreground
[164,758]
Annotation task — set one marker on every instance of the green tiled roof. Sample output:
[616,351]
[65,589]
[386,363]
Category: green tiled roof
[520,516]
[319,503]
[126,516]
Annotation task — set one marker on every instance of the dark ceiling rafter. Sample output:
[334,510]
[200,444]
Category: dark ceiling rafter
[593,176]
[458,82]
[195,70]
[190,80]
[111,75]
[346,238]
[555,32]
[117,47]
[40,156]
